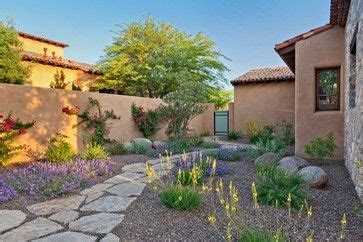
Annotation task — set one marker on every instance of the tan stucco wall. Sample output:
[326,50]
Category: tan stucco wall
[323,50]
[44,106]
[38,47]
[269,103]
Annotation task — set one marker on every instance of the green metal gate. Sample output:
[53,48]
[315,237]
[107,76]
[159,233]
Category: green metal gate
[221,120]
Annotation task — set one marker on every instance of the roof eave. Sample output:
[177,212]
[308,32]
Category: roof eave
[254,82]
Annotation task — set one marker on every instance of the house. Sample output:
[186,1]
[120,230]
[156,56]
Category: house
[320,90]
[45,57]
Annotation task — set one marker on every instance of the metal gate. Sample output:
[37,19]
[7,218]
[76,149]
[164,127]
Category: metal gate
[221,120]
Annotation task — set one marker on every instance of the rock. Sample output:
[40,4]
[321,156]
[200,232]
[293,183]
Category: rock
[135,167]
[315,176]
[93,197]
[11,219]
[160,145]
[153,162]
[34,229]
[110,238]
[292,164]
[267,159]
[56,205]
[67,237]
[164,166]
[128,146]
[109,204]
[142,141]
[127,189]
[125,177]
[65,217]
[96,188]
[100,223]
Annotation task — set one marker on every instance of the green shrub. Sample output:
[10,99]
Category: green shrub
[321,148]
[274,146]
[274,186]
[116,148]
[196,140]
[179,146]
[59,150]
[210,145]
[94,151]
[252,235]
[233,135]
[225,154]
[181,198]
[264,135]
[285,133]
[253,128]
[140,149]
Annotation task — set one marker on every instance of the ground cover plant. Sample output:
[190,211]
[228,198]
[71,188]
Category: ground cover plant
[139,148]
[181,197]
[116,148]
[274,146]
[234,135]
[225,154]
[94,152]
[321,148]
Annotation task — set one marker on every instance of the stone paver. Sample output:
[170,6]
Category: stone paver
[109,204]
[135,167]
[100,223]
[127,189]
[11,219]
[34,229]
[110,238]
[96,188]
[68,237]
[125,177]
[65,217]
[56,205]
[93,197]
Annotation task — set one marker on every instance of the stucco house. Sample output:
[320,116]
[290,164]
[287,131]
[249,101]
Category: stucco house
[320,90]
[45,57]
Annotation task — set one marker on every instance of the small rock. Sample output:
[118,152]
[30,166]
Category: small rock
[100,223]
[125,177]
[160,145]
[135,167]
[67,237]
[127,189]
[65,217]
[142,141]
[96,188]
[11,219]
[110,238]
[267,159]
[315,176]
[109,204]
[292,164]
[128,146]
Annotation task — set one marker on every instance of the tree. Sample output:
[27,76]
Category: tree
[220,97]
[11,70]
[150,59]
[59,81]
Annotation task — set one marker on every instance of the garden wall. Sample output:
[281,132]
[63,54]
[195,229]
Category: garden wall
[44,106]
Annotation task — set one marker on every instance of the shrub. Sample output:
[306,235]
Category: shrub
[253,128]
[274,186]
[59,150]
[234,135]
[252,235]
[210,145]
[94,152]
[274,146]
[140,148]
[179,146]
[196,140]
[181,198]
[265,135]
[59,81]
[321,148]
[285,133]
[148,122]
[116,148]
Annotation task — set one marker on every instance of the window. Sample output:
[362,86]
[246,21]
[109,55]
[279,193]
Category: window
[327,89]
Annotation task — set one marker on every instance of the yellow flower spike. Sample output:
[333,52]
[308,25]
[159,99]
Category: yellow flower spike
[289,198]
[344,220]
[221,201]
[227,207]
[309,238]
[233,208]
[310,212]
[212,218]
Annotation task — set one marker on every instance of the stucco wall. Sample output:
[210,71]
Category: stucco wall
[44,106]
[38,47]
[270,103]
[323,50]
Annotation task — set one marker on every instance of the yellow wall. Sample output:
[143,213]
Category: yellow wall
[38,47]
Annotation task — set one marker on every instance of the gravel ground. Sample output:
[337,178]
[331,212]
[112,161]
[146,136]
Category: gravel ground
[147,219]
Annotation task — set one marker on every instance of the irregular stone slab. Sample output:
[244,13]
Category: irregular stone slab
[68,237]
[135,167]
[109,204]
[164,166]
[142,141]
[65,217]
[268,158]
[127,189]
[11,219]
[96,188]
[31,230]
[93,197]
[145,179]
[125,177]
[100,223]
[315,176]
[153,162]
[110,238]
[56,205]
[292,164]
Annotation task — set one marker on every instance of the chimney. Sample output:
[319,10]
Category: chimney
[53,55]
[45,51]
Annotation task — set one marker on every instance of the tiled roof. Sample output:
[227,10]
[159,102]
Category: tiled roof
[269,74]
[48,60]
[38,38]
[339,11]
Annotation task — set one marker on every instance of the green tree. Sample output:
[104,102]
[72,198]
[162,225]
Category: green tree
[59,81]
[151,58]
[220,97]
[11,70]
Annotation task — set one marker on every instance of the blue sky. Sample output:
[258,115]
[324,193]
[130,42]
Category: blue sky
[245,30]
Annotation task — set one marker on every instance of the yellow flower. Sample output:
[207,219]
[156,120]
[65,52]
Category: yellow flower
[180,198]
[227,207]
[233,208]
[344,220]
[310,211]
[204,187]
[212,218]
[289,198]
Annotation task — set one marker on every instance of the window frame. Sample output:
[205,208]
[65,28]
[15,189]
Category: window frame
[319,108]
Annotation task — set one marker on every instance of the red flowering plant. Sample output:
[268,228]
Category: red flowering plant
[10,130]
[94,122]
[148,122]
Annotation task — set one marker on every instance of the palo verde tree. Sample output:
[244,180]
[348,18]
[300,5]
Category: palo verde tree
[151,58]
[11,70]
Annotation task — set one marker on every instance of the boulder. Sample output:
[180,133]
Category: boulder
[268,158]
[292,164]
[128,146]
[315,176]
[160,145]
[142,141]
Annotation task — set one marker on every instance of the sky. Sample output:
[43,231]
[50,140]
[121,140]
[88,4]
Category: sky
[245,31]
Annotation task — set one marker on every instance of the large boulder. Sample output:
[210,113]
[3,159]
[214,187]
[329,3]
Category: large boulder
[268,158]
[143,142]
[292,164]
[160,145]
[315,176]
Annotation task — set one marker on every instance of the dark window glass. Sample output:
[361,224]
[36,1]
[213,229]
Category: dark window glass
[327,89]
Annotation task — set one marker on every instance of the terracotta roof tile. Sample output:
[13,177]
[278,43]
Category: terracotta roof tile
[48,60]
[42,39]
[339,11]
[269,74]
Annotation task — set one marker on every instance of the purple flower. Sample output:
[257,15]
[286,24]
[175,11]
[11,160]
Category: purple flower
[7,192]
